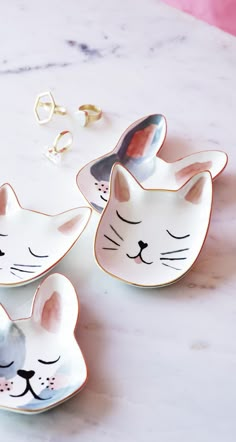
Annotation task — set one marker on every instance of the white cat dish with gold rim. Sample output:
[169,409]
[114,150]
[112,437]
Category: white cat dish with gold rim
[41,364]
[151,238]
[138,150]
[31,243]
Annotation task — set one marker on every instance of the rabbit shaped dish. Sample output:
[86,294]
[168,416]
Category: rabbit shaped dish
[41,364]
[137,150]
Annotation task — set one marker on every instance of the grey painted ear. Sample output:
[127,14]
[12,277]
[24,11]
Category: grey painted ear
[143,139]
[137,146]
[8,200]
[198,189]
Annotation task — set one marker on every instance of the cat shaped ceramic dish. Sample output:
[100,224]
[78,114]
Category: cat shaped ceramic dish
[31,243]
[151,238]
[137,150]
[41,364]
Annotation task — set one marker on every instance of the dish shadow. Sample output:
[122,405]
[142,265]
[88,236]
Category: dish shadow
[224,192]
[175,148]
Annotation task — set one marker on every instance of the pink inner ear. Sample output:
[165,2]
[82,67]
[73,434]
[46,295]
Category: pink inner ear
[195,193]
[70,225]
[3,201]
[121,188]
[51,314]
[188,171]
[141,141]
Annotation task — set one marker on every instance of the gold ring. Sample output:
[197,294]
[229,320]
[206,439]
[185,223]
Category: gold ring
[56,145]
[88,113]
[46,101]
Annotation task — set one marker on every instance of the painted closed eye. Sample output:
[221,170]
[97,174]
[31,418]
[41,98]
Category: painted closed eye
[49,362]
[177,237]
[126,220]
[7,365]
[37,256]
[178,254]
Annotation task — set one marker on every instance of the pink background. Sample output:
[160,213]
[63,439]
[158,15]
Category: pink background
[221,13]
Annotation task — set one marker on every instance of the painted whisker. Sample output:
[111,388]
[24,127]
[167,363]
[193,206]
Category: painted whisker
[15,275]
[27,265]
[114,230]
[167,265]
[114,242]
[174,251]
[21,270]
[172,259]
[109,248]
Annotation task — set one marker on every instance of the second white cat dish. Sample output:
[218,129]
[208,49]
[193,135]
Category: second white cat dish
[41,364]
[31,243]
[151,238]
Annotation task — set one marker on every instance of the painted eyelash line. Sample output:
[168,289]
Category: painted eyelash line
[37,256]
[1,234]
[178,237]
[126,220]
[49,362]
[7,366]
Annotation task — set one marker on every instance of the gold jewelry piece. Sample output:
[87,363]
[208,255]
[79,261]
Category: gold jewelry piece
[46,101]
[88,113]
[55,152]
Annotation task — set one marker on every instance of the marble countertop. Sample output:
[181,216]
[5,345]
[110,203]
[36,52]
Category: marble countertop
[162,362]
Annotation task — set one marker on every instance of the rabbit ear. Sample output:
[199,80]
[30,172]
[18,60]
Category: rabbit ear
[55,305]
[143,139]
[214,161]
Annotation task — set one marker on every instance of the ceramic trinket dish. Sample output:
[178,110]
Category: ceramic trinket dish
[137,150]
[41,364]
[31,243]
[151,238]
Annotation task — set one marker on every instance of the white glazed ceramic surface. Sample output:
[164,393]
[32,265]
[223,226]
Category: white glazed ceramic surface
[31,243]
[41,363]
[152,237]
[137,150]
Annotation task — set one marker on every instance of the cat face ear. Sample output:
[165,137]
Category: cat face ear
[198,189]
[5,321]
[123,184]
[72,222]
[214,161]
[8,200]
[55,306]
